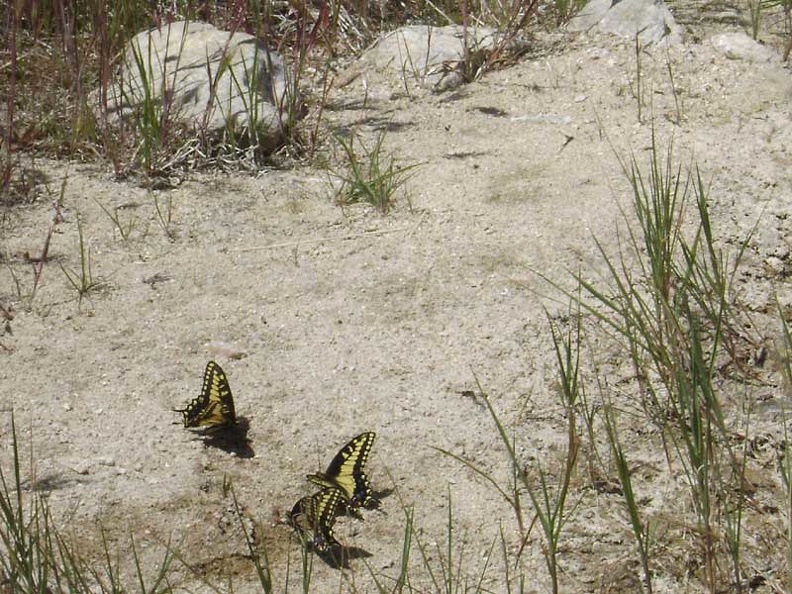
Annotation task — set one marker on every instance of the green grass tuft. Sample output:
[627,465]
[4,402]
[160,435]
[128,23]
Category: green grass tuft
[370,175]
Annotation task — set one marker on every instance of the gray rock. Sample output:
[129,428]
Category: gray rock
[588,16]
[649,19]
[207,78]
[431,56]
[698,16]
[736,45]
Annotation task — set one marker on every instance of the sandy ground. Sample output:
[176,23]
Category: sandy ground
[332,321]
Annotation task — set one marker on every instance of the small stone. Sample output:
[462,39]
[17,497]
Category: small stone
[774,266]
[218,348]
[82,467]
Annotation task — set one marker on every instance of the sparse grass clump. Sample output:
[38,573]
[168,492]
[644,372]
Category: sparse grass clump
[548,489]
[125,225]
[36,556]
[82,279]
[561,11]
[370,175]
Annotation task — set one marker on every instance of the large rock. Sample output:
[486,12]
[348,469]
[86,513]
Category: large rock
[432,57]
[210,79]
[736,45]
[699,17]
[650,20]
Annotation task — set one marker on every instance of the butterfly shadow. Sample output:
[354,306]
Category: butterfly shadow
[232,439]
[338,556]
[378,497]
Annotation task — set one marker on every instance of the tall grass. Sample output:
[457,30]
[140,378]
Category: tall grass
[641,527]
[155,117]
[446,564]
[669,301]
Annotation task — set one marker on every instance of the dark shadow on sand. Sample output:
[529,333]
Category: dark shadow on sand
[232,439]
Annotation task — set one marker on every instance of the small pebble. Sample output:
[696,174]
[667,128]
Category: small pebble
[774,266]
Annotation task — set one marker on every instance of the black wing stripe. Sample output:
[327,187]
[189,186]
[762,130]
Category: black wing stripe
[313,518]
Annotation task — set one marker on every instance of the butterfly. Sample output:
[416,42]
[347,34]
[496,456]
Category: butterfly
[346,473]
[214,406]
[315,514]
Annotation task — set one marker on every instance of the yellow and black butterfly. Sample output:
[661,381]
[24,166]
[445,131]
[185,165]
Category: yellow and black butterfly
[313,518]
[214,407]
[346,473]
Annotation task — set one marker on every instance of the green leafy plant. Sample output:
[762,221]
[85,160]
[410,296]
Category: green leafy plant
[639,91]
[27,537]
[550,502]
[772,11]
[450,574]
[402,579]
[252,133]
[755,14]
[258,554]
[370,175]
[674,91]
[561,11]
[512,20]
[733,489]
[155,117]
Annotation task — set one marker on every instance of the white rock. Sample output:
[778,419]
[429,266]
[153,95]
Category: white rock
[429,56]
[82,467]
[209,78]
[649,19]
[774,266]
[736,45]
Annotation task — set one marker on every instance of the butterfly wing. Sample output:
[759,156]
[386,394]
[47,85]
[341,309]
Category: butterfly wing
[313,518]
[346,472]
[214,406]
